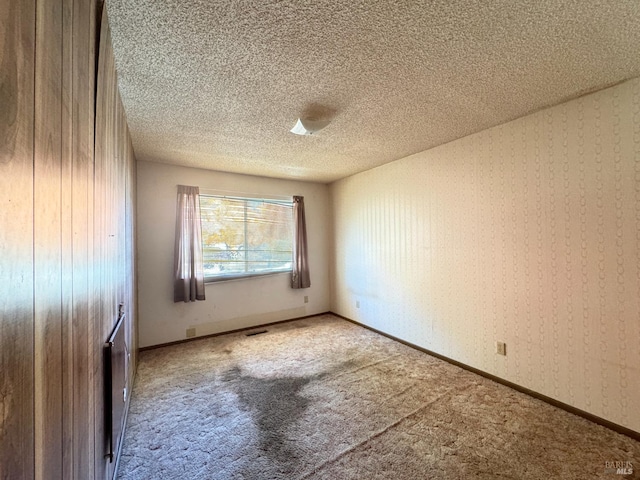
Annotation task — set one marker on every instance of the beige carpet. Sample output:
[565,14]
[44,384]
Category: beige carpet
[321,398]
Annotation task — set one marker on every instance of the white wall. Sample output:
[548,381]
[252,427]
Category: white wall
[526,233]
[229,305]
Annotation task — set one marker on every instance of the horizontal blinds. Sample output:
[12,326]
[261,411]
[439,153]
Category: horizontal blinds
[245,236]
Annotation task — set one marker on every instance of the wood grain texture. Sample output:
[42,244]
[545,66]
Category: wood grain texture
[17,37]
[114,191]
[67,214]
[48,270]
[82,119]
[100,293]
[66,237]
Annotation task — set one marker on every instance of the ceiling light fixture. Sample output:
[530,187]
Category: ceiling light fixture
[308,126]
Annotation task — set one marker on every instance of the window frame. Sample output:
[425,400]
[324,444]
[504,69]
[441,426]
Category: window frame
[247,198]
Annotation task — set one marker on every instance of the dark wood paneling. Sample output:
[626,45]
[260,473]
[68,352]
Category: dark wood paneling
[67,214]
[77,187]
[66,232]
[100,296]
[17,47]
[114,191]
[48,161]
[83,113]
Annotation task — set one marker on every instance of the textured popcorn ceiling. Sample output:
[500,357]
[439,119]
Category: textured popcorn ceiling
[218,84]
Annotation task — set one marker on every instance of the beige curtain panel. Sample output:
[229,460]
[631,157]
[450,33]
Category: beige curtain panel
[300,275]
[188,282]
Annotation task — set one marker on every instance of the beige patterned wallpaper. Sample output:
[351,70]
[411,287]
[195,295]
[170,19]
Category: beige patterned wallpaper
[527,233]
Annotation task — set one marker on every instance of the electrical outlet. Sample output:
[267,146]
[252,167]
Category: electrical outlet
[357,303]
[501,348]
[191,332]
[306,299]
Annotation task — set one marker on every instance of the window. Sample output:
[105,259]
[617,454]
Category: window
[244,237]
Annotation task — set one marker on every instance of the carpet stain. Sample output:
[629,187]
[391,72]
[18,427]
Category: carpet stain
[335,401]
[274,403]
